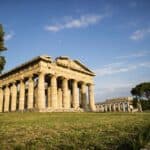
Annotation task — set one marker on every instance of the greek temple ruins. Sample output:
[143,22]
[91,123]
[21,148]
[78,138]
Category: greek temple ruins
[47,85]
[121,104]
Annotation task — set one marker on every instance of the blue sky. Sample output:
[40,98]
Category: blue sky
[111,37]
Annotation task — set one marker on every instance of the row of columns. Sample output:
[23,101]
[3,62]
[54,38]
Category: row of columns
[14,92]
[123,106]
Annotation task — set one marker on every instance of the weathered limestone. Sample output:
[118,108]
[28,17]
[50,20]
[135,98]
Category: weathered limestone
[41,91]
[22,95]
[14,96]
[119,104]
[1,99]
[7,97]
[110,107]
[59,98]
[91,97]
[65,94]
[84,96]
[123,107]
[30,93]
[54,91]
[45,85]
[75,95]
[49,97]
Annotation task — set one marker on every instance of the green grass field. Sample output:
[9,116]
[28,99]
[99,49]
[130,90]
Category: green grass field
[41,131]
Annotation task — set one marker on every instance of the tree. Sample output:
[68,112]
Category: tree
[141,93]
[2,48]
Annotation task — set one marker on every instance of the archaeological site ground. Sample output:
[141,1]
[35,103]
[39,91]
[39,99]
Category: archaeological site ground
[108,131]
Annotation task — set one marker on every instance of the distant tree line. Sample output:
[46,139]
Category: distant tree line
[2,48]
[141,94]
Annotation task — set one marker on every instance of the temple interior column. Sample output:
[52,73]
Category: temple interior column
[13,97]
[49,97]
[75,95]
[21,95]
[91,97]
[54,91]
[1,99]
[65,93]
[7,98]
[30,93]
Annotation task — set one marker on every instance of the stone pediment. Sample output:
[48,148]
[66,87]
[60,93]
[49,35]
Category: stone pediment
[73,64]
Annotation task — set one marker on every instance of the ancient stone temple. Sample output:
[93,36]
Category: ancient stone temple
[43,84]
[121,104]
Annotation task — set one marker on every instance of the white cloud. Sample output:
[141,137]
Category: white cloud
[140,34]
[119,68]
[135,55]
[82,21]
[9,36]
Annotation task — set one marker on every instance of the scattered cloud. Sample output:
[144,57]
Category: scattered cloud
[140,34]
[135,55]
[82,21]
[9,35]
[119,68]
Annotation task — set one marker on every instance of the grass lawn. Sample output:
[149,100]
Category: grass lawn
[42,131]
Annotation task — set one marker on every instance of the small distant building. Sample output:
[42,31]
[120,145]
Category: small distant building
[121,104]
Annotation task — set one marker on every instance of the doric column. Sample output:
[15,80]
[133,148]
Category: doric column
[84,95]
[105,107]
[75,95]
[30,93]
[1,99]
[118,106]
[66,102]
[128,106]
[14,97]
[114,107]
[41,91]
[7,98]
[54,91]
[123,105]
[91,97]
[110,107]
[59,98]
[22,95]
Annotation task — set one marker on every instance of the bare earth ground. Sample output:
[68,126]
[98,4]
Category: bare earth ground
[43,131]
